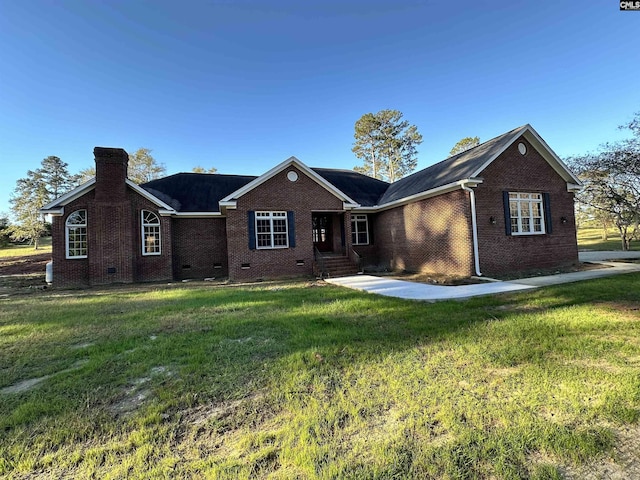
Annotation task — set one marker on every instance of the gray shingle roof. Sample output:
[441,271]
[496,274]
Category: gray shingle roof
[360,188]
[453,169]
[195,192]
[201,192]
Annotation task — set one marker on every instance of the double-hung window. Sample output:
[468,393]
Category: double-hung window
[76,233]
[150,233]
[271,230]
[526,213]
[359,230]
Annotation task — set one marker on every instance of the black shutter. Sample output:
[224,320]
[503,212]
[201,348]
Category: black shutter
[507,213]
[342,233]
[370,227]
[291,225]
[252,230]
[547,212]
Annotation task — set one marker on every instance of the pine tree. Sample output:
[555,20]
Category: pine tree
[56,177]
[386,144]
[33,192]
[464,144]
[29,196]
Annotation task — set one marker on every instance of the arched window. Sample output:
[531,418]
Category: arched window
[76,232]
[150,233]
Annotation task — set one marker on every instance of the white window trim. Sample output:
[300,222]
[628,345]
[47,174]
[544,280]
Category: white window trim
[355,218]
[66,230]
[519,200]
[144,225]
[271,216]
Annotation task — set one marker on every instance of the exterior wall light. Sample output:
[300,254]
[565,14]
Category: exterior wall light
[492,220]
[563,220]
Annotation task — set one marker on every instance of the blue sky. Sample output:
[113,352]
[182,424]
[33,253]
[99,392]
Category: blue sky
[243,85]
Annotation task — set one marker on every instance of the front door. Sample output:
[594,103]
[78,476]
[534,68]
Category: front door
[322,232]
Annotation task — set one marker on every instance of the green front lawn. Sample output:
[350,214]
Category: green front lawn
[301,380]
[591,239]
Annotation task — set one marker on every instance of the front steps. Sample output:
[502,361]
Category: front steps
[334,265]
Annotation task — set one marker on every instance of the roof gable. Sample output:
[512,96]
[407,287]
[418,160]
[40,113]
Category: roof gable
[550,156]
[56,207]
[230,200]
[468,166]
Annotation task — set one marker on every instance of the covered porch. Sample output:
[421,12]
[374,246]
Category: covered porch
[333,252]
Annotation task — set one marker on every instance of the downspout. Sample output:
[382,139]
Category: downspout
[474,228]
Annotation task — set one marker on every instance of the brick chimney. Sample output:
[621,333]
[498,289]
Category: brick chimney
[111,221]
[111,173]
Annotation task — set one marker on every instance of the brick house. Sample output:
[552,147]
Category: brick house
[504,205]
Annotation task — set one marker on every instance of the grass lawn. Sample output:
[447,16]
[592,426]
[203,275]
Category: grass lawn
[26,250]
[591,239]
[310,381]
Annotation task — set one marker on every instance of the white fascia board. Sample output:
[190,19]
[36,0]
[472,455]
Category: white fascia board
[198,215]
[572,187]
[449,187]
[515,135]
[291,161]
[54,212]
[258,181]
[366,209]
[550,156]
[349,206]
[543,149]
[152,198]
[69,196]
[224,206]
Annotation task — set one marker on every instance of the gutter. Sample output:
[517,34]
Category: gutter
[474,228]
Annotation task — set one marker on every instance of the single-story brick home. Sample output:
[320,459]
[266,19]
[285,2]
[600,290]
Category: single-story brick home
[502,206]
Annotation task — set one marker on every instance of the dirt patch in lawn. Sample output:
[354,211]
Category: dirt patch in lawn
[622,307]
[26,385]
[25,273]
[211,412]
[135,394]
[25,265]
[622,464]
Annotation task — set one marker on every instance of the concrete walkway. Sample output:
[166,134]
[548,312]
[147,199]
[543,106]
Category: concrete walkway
[391,287]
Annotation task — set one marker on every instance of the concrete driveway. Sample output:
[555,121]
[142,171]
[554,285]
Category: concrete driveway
[391,287]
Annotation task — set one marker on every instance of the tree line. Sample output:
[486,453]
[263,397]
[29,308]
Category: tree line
[386,144]
[52,180]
